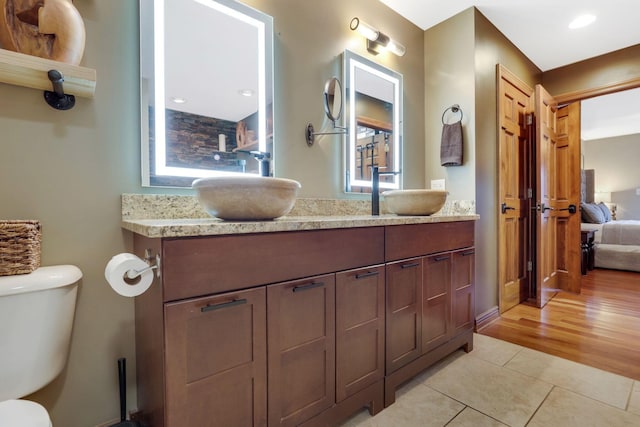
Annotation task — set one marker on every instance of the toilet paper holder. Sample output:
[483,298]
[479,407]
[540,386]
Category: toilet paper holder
[153,261]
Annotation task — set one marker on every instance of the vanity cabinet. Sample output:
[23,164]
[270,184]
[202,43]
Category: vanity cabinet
[262,329]
[430,298]
[300,327]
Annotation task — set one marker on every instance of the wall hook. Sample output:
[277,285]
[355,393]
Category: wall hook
[58,99]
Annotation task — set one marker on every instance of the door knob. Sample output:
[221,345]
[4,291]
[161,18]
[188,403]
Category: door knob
[504,208]
[572,209]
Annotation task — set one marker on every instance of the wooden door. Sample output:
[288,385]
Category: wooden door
[568,197]
[436,301]
[546,156]
[301,349]
[359,329]
[216,365]
[462,291]
[403,313]
[514,190]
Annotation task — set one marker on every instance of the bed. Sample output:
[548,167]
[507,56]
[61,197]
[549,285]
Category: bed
[617,244]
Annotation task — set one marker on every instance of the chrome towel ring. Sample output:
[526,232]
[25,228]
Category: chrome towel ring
[455,108]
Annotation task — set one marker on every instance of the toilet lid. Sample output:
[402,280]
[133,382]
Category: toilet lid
[23,413]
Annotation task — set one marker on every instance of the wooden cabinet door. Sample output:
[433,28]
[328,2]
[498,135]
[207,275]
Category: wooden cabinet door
[216,367]
[462,288]
[359,329]
[403,313]
[301,349]
[436,301]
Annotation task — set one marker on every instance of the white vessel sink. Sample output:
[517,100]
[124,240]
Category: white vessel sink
[414,202]
[246,197]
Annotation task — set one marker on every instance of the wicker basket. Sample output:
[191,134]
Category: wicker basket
[19,247]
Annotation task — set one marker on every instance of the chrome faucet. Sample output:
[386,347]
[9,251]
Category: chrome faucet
[375,188]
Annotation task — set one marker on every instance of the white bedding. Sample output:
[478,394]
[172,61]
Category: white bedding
[622,232]
[618,244]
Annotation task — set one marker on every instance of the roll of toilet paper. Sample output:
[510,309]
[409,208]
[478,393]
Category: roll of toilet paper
[123,266]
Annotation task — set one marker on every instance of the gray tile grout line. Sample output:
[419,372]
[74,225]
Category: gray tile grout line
[575,391]
[463,404]
[633,386]
[540,406]
[456,415]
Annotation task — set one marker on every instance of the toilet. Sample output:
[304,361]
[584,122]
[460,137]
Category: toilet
[36,318]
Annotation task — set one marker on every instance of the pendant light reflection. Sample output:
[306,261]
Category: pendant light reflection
[376,41]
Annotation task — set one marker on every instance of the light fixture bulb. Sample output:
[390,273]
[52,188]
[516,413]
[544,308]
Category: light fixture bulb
[582,21]
[364,29]
[246,92]
[395,47]
[178,100]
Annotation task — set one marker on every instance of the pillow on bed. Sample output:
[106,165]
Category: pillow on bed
[605,211]
[591,213]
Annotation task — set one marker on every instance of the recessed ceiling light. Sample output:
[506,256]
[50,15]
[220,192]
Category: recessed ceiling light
[582,21]
[178,100]
[245,92]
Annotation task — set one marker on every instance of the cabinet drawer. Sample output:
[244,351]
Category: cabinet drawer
[360,333]
[206,265]
[216,366]
[301,351]
[406,241]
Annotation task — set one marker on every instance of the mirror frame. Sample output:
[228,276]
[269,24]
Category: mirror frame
[154,171]
[351,62]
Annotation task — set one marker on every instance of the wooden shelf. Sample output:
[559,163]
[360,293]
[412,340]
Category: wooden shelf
[31,71]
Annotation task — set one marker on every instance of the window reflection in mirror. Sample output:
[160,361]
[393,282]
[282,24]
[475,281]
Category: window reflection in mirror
[206,89]
[374,119]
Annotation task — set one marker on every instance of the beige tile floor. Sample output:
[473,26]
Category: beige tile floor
[503,384]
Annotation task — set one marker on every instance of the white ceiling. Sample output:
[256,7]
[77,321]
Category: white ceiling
[611,115]
[539,28]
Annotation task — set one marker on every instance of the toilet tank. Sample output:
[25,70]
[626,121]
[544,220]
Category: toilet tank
[36,318]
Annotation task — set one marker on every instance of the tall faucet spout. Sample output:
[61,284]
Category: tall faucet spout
[375,188]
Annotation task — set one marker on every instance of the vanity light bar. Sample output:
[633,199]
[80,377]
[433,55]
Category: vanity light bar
[376,40]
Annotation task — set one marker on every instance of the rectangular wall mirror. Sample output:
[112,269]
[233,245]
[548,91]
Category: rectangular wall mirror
[374,118]
[206,90]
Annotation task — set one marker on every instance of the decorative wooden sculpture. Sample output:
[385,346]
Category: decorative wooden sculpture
[51,29]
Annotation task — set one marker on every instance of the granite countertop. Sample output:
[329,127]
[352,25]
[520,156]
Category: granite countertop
[182,216]
[213,226]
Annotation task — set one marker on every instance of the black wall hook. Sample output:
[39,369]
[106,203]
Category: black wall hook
[58,99]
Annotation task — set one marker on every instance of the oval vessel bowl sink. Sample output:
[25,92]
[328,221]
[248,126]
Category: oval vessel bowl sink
[414,202]
[246,197]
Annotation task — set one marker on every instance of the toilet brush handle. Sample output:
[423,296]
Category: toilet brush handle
[122,378]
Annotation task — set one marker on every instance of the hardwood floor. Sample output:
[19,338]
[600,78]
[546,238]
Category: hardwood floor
[600,327]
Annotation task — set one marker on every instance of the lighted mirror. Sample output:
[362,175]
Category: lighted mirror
[374,119]
[206,90]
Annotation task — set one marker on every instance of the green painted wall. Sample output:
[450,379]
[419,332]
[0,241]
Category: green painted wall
[69,168]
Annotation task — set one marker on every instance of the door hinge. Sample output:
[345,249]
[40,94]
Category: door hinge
[529,119]
[529,266]
[529,193]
